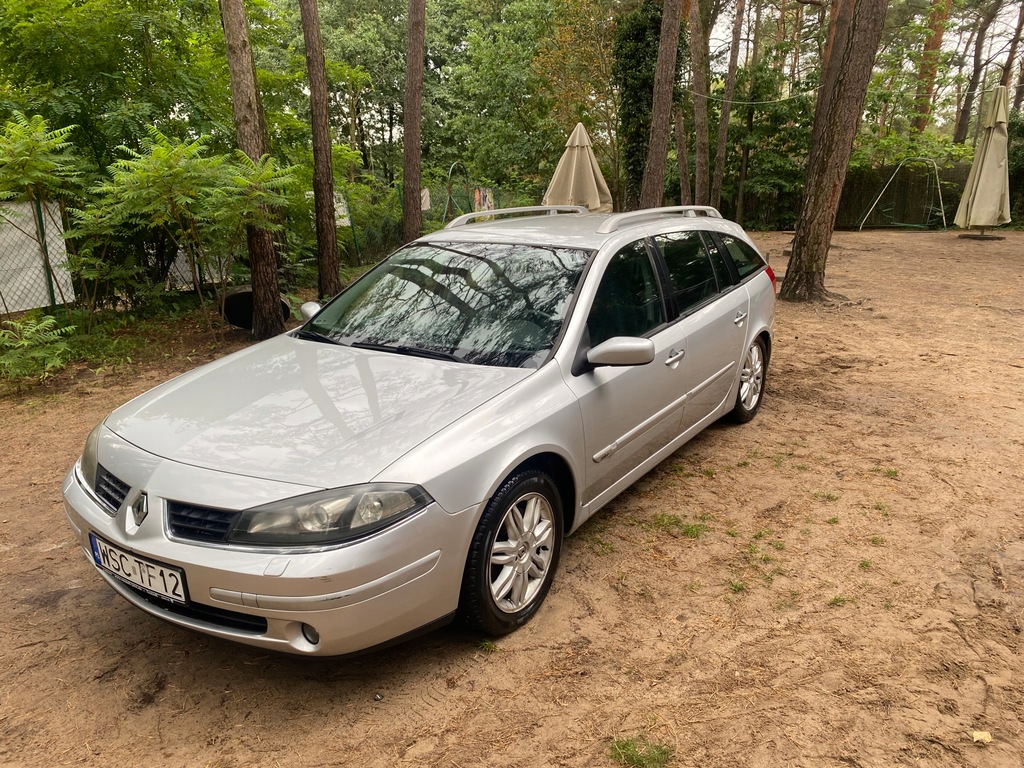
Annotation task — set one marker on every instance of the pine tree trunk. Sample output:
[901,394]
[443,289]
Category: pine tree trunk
[683,159]
[1011,57]
[723,123]
[328,281]
[411,160]
[854,36]
[652,189]
[963,119]
[699,78]
[930,62]
[253,140]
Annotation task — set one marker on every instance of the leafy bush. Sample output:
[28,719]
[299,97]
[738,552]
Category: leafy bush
[33,348]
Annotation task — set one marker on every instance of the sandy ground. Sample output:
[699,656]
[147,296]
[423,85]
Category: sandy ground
[854,599]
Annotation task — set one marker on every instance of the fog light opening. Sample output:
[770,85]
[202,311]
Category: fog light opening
[310,634]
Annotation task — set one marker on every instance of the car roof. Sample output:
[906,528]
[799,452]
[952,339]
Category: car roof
[574,227]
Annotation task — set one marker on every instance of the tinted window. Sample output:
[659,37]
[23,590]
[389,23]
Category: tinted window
[628,301]
[722,269]
[746,258]
[485,303]
[689,267]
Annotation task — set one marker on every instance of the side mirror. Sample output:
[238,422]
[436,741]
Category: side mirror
[622,350]
[309,309]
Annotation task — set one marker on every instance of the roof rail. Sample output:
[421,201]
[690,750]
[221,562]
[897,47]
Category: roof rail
[551,210]
[612,223]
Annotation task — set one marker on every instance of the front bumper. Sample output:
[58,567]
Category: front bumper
[356,596]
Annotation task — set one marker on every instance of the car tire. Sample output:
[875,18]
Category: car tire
[753,375]
[513,555]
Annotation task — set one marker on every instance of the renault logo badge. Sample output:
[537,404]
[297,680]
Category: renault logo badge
[140,509]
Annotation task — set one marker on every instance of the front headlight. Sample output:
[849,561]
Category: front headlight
[89,459]
[329,517]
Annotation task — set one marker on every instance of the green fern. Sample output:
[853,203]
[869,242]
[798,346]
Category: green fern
[33,349]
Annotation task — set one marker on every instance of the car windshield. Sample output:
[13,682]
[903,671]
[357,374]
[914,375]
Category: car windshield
[485,303]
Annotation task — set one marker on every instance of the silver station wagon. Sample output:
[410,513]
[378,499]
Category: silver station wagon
[419,448]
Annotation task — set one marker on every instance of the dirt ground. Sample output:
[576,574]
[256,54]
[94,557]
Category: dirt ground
[854,599]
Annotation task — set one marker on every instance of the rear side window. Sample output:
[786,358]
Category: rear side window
[689,267]
[746,258]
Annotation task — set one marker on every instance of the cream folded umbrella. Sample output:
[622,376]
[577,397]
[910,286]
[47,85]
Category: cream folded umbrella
[986,199]
[578,179]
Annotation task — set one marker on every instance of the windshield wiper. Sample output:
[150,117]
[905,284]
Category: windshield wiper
[405,349]
[304,333]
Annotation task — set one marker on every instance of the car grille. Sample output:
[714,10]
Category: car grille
[110,489]
[220,617]
[188,521]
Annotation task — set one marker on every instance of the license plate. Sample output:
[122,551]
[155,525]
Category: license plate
[163,580]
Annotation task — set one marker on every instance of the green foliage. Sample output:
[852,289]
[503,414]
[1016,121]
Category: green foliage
[35,163]
[776,131]
[203,202]
[113,67]
[1015,152]
[635,56]
[504,120]
[32,348]
[641,752]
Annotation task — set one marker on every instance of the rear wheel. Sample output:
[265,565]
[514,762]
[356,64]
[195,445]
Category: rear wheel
[514,554]
[752,379]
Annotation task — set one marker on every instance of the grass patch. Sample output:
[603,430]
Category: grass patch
[826,496]
[487,646]
[878,541]
[600,546]
[832,520]
[864,565]
[737,587]
[641,752]
[839,601]
[676,526]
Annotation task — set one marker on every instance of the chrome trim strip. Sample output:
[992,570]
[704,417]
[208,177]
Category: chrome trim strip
[639,429]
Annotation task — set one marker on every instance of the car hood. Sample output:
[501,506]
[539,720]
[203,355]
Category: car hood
[306,412]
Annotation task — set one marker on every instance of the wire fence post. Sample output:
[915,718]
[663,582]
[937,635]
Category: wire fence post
[44,251]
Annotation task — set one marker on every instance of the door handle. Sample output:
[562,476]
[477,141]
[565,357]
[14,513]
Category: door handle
[674,357]
[740,317]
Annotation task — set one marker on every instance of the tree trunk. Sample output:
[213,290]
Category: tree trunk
[699,78]
[930,63]
[1011,57]
[328,281]
[853,39]
[683,159]
[1018,96]
[723,122]
[741,184]
[411,160]
[253,140]
[652,189]
[963,119]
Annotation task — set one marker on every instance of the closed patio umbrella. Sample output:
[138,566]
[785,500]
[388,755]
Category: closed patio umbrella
[578,179]
[986,198]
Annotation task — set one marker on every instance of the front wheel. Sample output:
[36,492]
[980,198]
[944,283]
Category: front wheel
[752,379]
[514,554]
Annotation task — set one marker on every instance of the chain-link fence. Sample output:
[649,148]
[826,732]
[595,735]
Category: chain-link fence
[33,258]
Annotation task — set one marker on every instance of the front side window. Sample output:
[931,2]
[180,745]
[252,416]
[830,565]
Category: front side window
[746,258]
[628,300]
[484,303]
[689,267]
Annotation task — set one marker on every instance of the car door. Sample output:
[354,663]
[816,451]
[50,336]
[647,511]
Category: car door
[630,412]
[712,314]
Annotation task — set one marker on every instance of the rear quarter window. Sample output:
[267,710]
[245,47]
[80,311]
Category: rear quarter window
[746,259]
